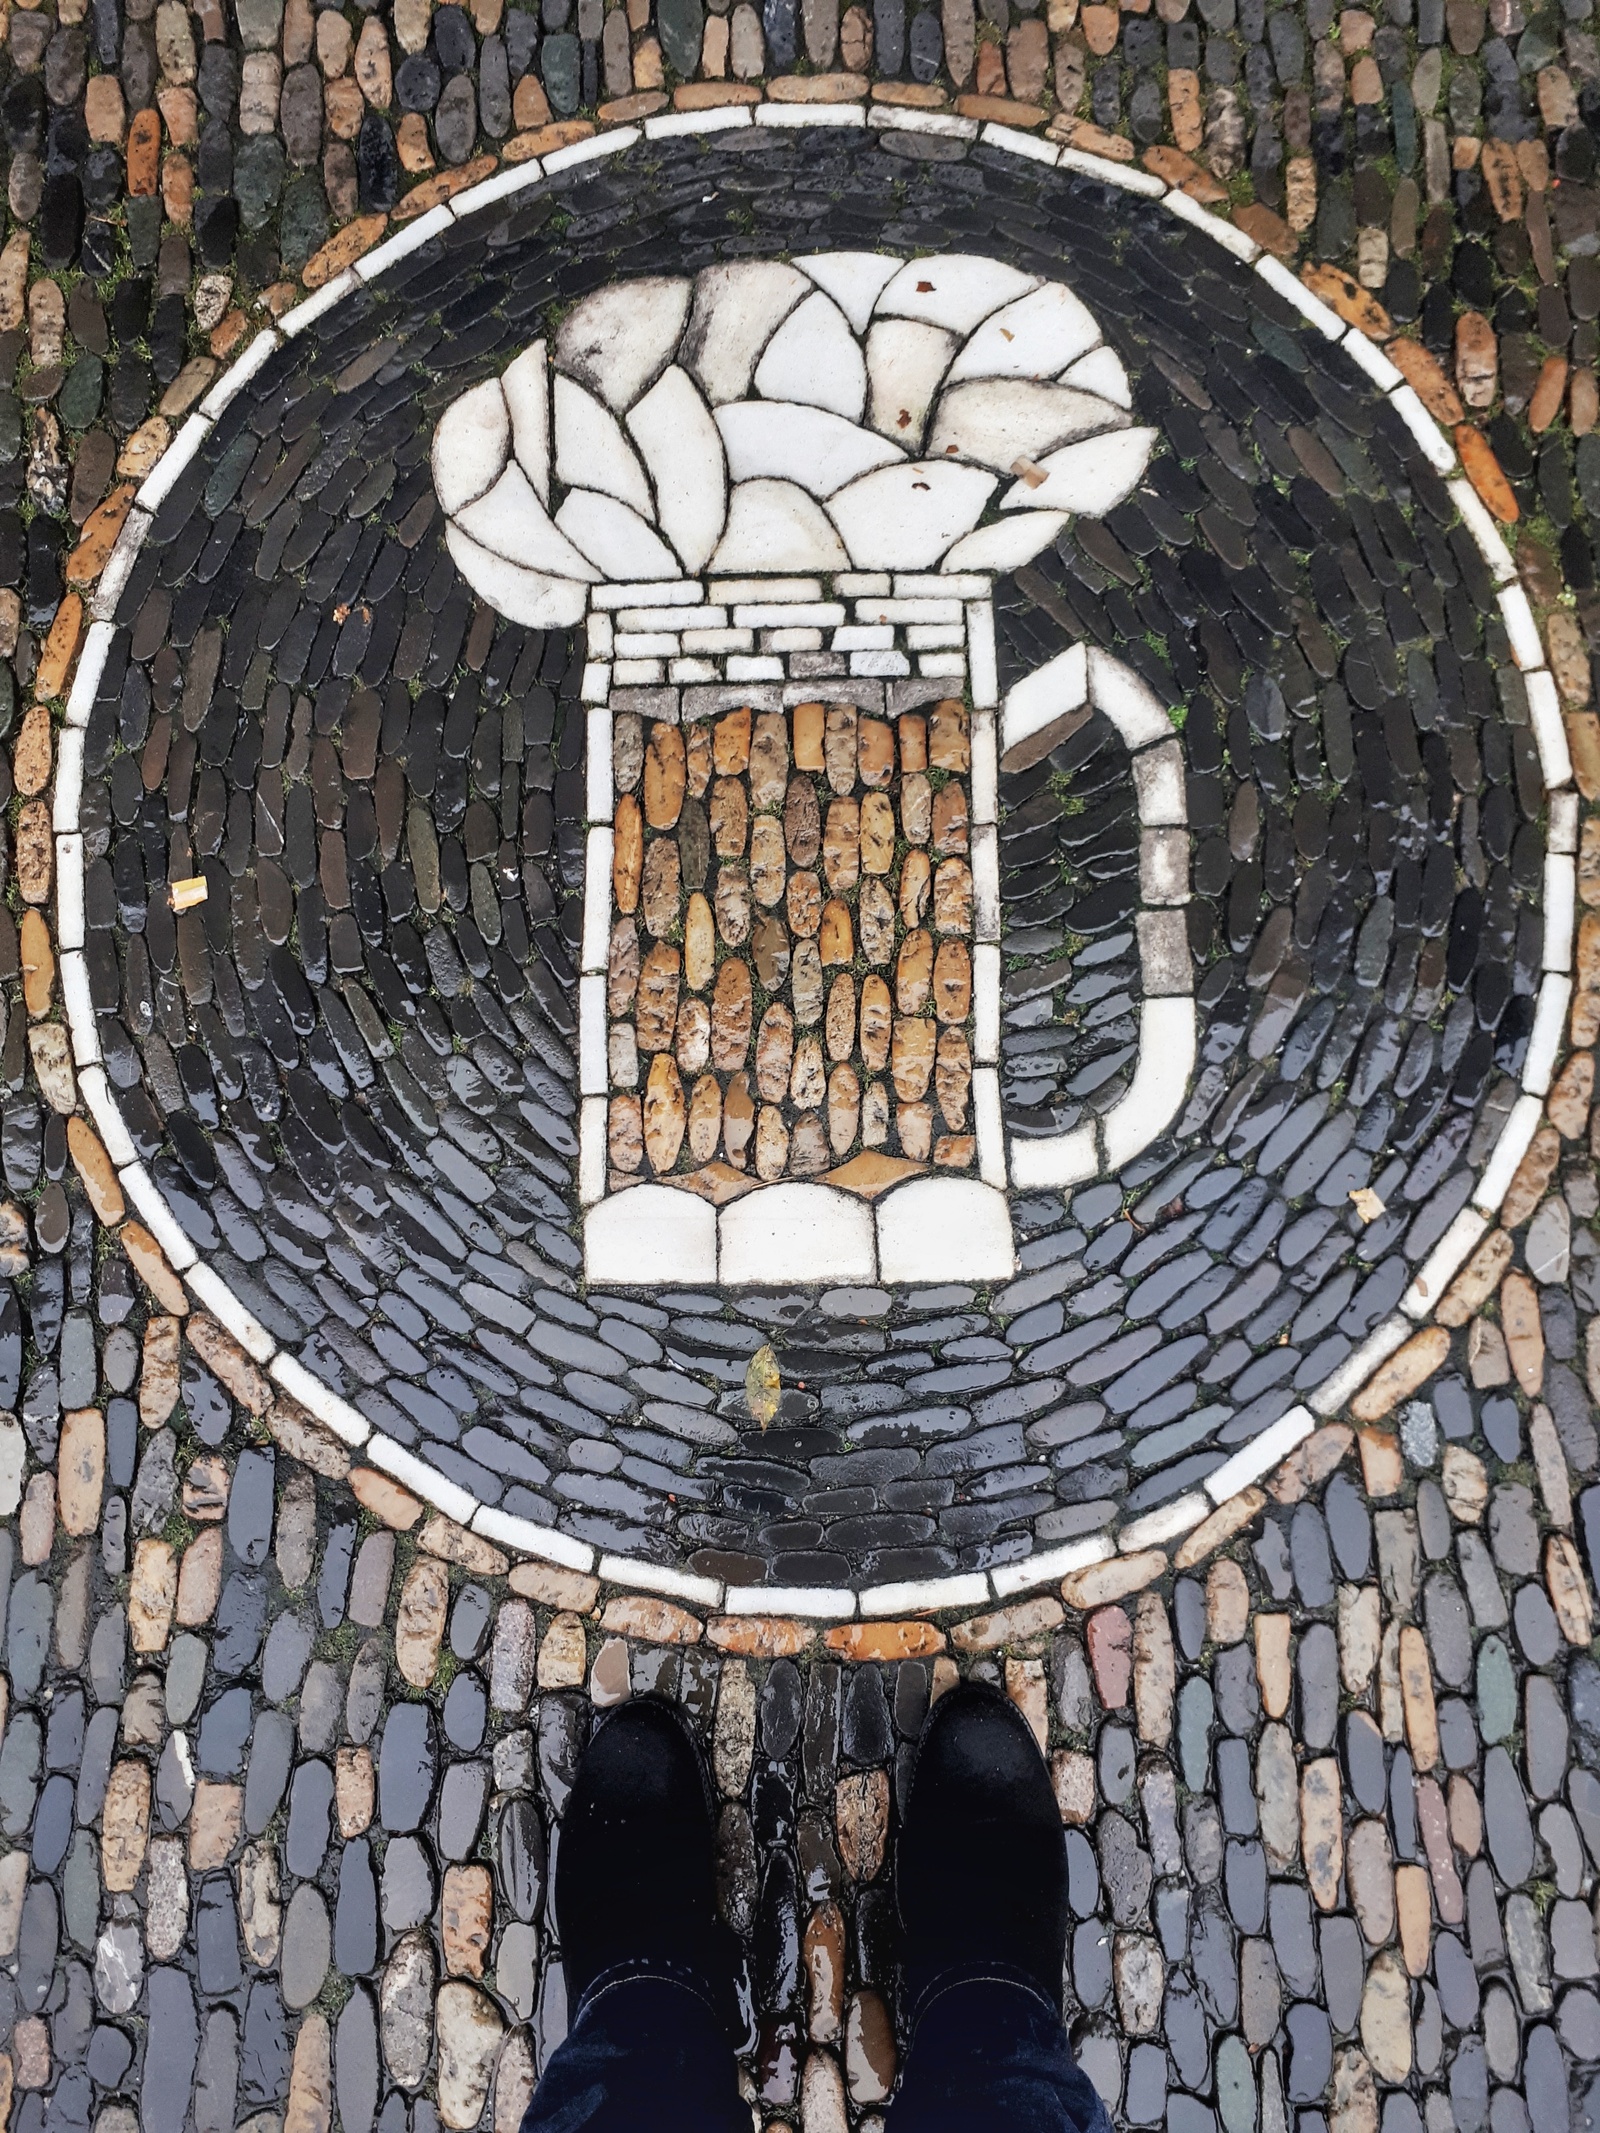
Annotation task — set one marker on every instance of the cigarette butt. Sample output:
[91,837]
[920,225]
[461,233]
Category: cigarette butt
[184,895]
[1034,476]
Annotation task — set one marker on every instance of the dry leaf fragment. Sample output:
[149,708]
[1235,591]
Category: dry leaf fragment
[184,895]
[763,1387]
[1034,476]
[1367,1204]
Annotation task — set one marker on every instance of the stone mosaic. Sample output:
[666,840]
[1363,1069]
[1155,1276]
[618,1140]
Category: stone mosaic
[1291,1065]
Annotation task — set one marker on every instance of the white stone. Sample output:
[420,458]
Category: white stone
[657,1577]
[1544,1044]
[737,309]
[526,385]
[592,452]
[525,1538]
[1560,902]
[986,1003]
[68,785]
[1037,336]
[592,1041]
[1026,145]
[13,1458]
[797,1232]
[156,1216]
[905,517]
[1101,371]
[1443,1263]
[512,522]
[1491,542]
[1131,704]
[619,340]
[69,890]
[818,1603]
[348,1424]
[1122,175]
[305,315]
[1164,1524]
[682,448]
[1368,357]
[1165,966]
[1008,544]
[1260,1455]
[238,374]
[985,882]
[614,537]
[595,947]
[1051,1564]
[855,280]
[775,525]
[672,125]
[814,359]
[944,1229]
[1089,479]
[1527,649]
[1160,1080]
[157,484]
[213,1292]
[78,1000]
[1436,447]
[107,1117]
[1160,788]
[403,243]
[119,567]
[1294,291]
[1164,866]
[651,1234]
[592,150]
[1057,1160]
[923,1595]
[421,1479]
[795,115]
[997,421]
[981,653]
[1050,692]
[810,446]
[906,361]
[1336,1390]
[1516,1136]
[1550,737]
[598,797]
[526,596]
[989,1126]
[502,186]
[955,290]
[471,445]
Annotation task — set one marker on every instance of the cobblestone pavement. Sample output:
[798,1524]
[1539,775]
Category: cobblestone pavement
[334,1498]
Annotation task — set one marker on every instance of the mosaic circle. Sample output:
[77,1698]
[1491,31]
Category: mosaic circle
[1151,856]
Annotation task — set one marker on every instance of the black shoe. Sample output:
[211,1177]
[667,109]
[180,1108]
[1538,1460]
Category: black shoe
[635,1870]
[981,1875]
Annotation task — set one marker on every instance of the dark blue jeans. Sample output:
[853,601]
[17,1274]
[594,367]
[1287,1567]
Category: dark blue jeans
[648,2048]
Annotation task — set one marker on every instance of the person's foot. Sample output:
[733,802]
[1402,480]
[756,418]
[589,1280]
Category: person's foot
[981,1875]
[635,1869]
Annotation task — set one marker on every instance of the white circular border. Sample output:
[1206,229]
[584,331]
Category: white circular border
[969,1589]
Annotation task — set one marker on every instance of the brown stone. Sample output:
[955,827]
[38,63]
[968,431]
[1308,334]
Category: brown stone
[952,981]
[732,902]
[466,1919]
[419,1622]
[869,2053]
[1227,1603]
[1216,1531]
[144,153]
[913,1056]
[665,775]
[660,887]
[215,1822]
[665,1114]
[839,747]
[1321,1830]
[729,817]
[651,1621]
[731,1008]
[841,846]
[1484,472]
[625,1134]
[1116,1579]
[861,1821]
[767,860]
[738,1119]
[1310,1463]
[822,1954]
[916,808]
[1569,1591]
[730,743]
[1465,1483]
[1410,1366]
[1549,392]
[125,1825]
[1177,168]
[1109,1637]
[1477,1281]
[305,1439]
[692,1038]
[1531,1179]
[221,1353]
[835,940]
[1021,1621]
[35,854]
[627,854]
[1414,1913]
[1416,1691]
[871,1173]
[385,1499]
[885,1641]
[353,1790]
[80,1470]
[769,762]
[1272,1663]
[1072,1777]
[759,1636]
[152,1594]
[804,905]
[1381,1469]
[914,976]
[1524,1332]
[950,832]
[563,1654]
[93,1166]
[810,727]
[1342,293]
[774,1052]
[877,834]
[656,1002]
[622,968]
[877,1023]
[200,1579]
